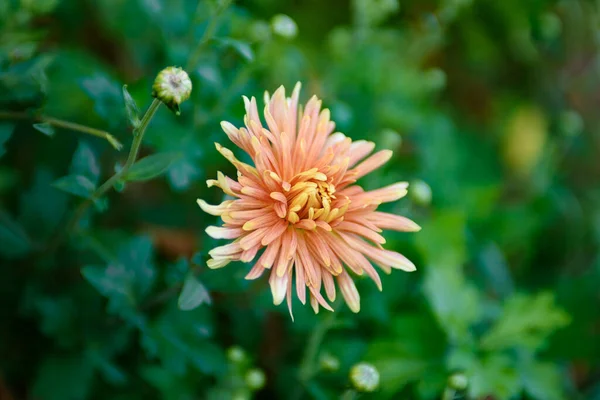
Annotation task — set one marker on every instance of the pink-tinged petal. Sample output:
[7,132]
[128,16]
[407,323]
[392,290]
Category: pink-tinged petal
[255,223]
[220,263]
[279,286]
[226,250]
[248,255]
[300,281]
[270,254]
[307,224]
[360,230]
[288,296]
[274,232]
[359,150]
[372,163]
[393,222]
[217,232]
[279,197]
[252,239]
[314,304]
[379,256]
[256,271]
[317,296]
[214,210]
[349,291]
[329,285]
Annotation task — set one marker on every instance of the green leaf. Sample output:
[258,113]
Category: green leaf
[526,321]
[127,281]
[77,185]
[6,130]
[45,128]
[494,375]
[193,294]
[242,48]
[42,206]
[455,303]
[85,162]
[131,107]
[63,377]
[542,381]
[14,242]
[151,166]
[181,340]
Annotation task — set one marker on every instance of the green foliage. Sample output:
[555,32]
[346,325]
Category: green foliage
[489,107]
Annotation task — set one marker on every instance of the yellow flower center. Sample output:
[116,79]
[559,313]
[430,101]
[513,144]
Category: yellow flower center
[314,200]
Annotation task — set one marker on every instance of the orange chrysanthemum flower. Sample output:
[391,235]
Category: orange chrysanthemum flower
[299,204]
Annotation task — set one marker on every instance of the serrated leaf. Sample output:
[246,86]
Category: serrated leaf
[45,128]
[242,48]
[126,281]
[77,185]
[85,162]
[193,294]
[494,375]
[14,241]
[6,130]
[131,107]
[526,321]
[151,166]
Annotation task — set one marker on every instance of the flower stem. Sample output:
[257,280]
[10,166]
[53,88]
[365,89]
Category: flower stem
[59,123]
[138,135]
[307,365]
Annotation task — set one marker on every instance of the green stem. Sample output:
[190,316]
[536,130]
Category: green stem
[307,365]
[138,135]
[207,35]
[59,123]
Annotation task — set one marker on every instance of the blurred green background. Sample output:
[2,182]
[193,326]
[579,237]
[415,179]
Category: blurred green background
[491,108]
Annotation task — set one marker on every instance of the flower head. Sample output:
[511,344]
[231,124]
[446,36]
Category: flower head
[300,206]
[172,86]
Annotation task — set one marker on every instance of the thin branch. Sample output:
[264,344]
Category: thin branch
[59,123]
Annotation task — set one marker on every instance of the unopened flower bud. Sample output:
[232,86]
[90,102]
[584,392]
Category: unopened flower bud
[364,377]
[458,381]
[284,26]
[236,354]
[172,86]
[420,192]
[255,379]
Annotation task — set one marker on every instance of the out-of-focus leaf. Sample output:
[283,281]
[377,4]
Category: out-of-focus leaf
[14,241]
[6,130]
[242,48]
[85,162]
[526,321]
[542,381]
[151,166]
[61,378]
[456,304]
[45,128]
[42,206]
[131,107]
[106,95]
[180,339]
[182,173]
[193,294]
[126,282]
[494,376]
[77,185]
